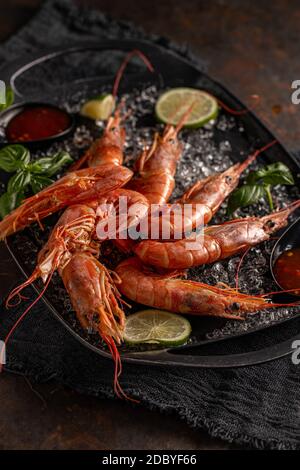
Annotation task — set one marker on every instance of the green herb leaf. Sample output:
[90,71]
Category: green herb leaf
[39,182]
[51,165]
[9,201]
[267,188]
[276,173]
[245,196]
[40,166]
[14,157]
[9,99]
[18,182]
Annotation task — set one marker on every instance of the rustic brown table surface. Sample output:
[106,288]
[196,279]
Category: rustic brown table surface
[252,47]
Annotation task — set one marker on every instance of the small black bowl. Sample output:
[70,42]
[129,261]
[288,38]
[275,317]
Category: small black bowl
[8,114]
[288,241]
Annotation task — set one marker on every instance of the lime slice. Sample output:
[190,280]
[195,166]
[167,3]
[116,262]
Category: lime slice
[157,326]
[172,105]
[99,108]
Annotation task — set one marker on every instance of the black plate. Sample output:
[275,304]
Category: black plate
[173,71]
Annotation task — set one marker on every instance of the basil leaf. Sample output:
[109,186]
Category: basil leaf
[39,182]
[276,173]
[253,177]
[18,182]
[58,161]
[51,165]
[9,99]
[267,188]
[245,196]
[14,157]
[41,165]
[9,201]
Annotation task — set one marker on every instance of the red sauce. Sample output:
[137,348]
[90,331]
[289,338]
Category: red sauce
[287,270]
[36,123]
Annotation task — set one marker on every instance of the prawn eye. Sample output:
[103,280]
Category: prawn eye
[171,141]
[270,224]
[113,129]
[235,307]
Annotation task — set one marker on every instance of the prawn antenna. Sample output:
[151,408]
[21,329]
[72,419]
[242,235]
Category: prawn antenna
[239,267]
[239,112]
[17,291]
[254,155]
[184,117]
[120,72]
[20,319]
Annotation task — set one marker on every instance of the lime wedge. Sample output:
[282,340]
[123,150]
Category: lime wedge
[99,108]
[156,326]
[172,105]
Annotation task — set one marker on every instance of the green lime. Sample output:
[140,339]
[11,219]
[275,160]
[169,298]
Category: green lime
[172,105]
[156,326]
[99,108]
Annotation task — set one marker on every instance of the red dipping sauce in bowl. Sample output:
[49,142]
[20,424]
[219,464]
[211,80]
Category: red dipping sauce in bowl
[287,270]
[37,122]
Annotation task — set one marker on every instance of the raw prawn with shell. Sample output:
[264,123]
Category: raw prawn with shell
[91,196]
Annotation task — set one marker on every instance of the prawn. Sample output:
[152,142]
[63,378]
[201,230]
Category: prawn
[96,302]
[213,243]
[92,182]
[182,296]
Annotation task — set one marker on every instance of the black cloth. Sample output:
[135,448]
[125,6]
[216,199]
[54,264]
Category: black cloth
[256,406]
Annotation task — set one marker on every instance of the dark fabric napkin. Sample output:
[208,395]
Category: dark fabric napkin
[256,406]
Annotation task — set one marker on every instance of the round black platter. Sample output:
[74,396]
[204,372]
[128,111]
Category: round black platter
[50,77]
